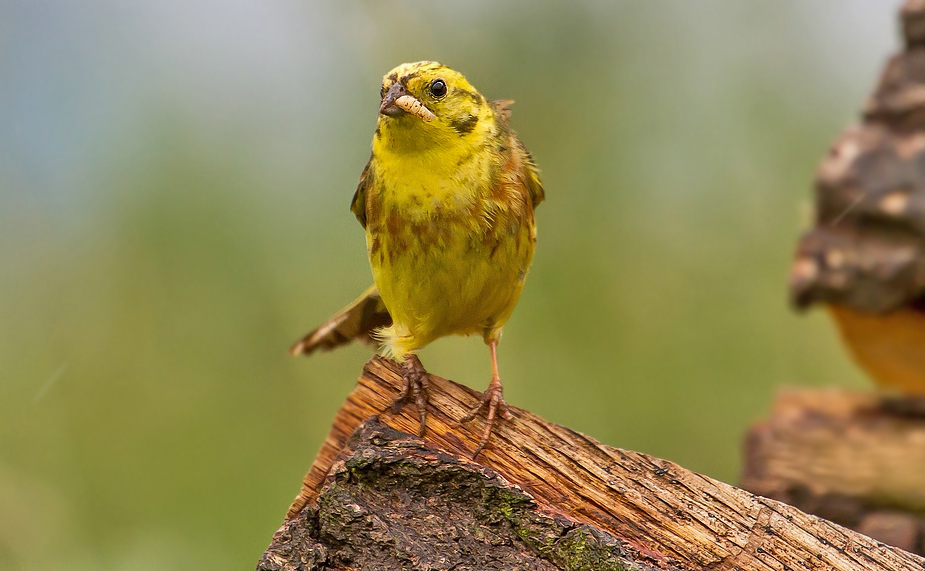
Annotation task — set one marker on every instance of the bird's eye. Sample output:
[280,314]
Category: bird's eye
[438,88]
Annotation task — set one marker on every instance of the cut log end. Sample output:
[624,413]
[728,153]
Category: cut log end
[392,502]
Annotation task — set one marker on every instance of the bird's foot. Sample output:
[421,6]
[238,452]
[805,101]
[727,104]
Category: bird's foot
[493,400]
[415,381]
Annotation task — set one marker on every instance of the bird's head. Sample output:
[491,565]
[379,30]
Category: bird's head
[426,102]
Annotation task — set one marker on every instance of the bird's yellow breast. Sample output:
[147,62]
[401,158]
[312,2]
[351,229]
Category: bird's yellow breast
[447,203]
[445,258]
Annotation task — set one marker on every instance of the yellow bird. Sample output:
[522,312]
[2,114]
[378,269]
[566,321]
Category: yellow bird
[447,201]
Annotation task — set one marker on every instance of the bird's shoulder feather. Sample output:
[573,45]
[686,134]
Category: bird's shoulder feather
[358,204]
[520,165]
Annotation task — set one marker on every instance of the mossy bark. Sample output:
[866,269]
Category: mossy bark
[391,502]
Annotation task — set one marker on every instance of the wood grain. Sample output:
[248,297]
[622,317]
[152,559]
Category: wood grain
[655,505]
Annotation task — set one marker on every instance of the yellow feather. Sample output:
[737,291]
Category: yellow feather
[448,208]
[447,202]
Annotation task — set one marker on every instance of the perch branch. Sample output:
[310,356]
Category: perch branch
[640,511]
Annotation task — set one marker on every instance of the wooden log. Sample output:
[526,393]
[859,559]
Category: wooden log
[848,456]
[541,497]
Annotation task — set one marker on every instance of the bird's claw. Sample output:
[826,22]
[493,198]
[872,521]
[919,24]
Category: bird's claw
[493,400]
[415,382]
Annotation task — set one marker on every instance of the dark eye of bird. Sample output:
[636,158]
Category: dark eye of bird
[438,88]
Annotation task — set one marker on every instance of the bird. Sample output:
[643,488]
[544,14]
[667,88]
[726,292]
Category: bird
[447,202]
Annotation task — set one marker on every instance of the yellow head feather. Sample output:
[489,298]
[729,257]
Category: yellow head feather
[427,103]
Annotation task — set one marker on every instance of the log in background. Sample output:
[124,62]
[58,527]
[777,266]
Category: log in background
[851,457]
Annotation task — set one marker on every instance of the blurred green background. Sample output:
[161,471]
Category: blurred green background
[174,188]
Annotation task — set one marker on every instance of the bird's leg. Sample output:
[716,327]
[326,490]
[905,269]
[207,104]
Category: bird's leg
[415,381]
[492,399]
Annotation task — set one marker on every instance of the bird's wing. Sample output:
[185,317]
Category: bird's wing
[358,204]
[531,174]
[359,320]
[532,180]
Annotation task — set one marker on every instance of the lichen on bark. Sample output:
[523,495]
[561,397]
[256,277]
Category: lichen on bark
[392,502]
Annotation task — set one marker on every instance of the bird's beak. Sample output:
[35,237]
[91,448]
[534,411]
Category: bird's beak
[398,101]
[388,106]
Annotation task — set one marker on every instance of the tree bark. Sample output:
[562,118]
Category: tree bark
[851,457]
[541,497]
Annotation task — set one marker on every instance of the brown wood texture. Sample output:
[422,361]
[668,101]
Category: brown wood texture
[685,520]
[852,457]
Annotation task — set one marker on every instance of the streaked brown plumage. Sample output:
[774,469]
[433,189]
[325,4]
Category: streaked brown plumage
[447,201]
[358,321]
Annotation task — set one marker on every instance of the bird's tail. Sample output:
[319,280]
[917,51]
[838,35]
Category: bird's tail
[359,320]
